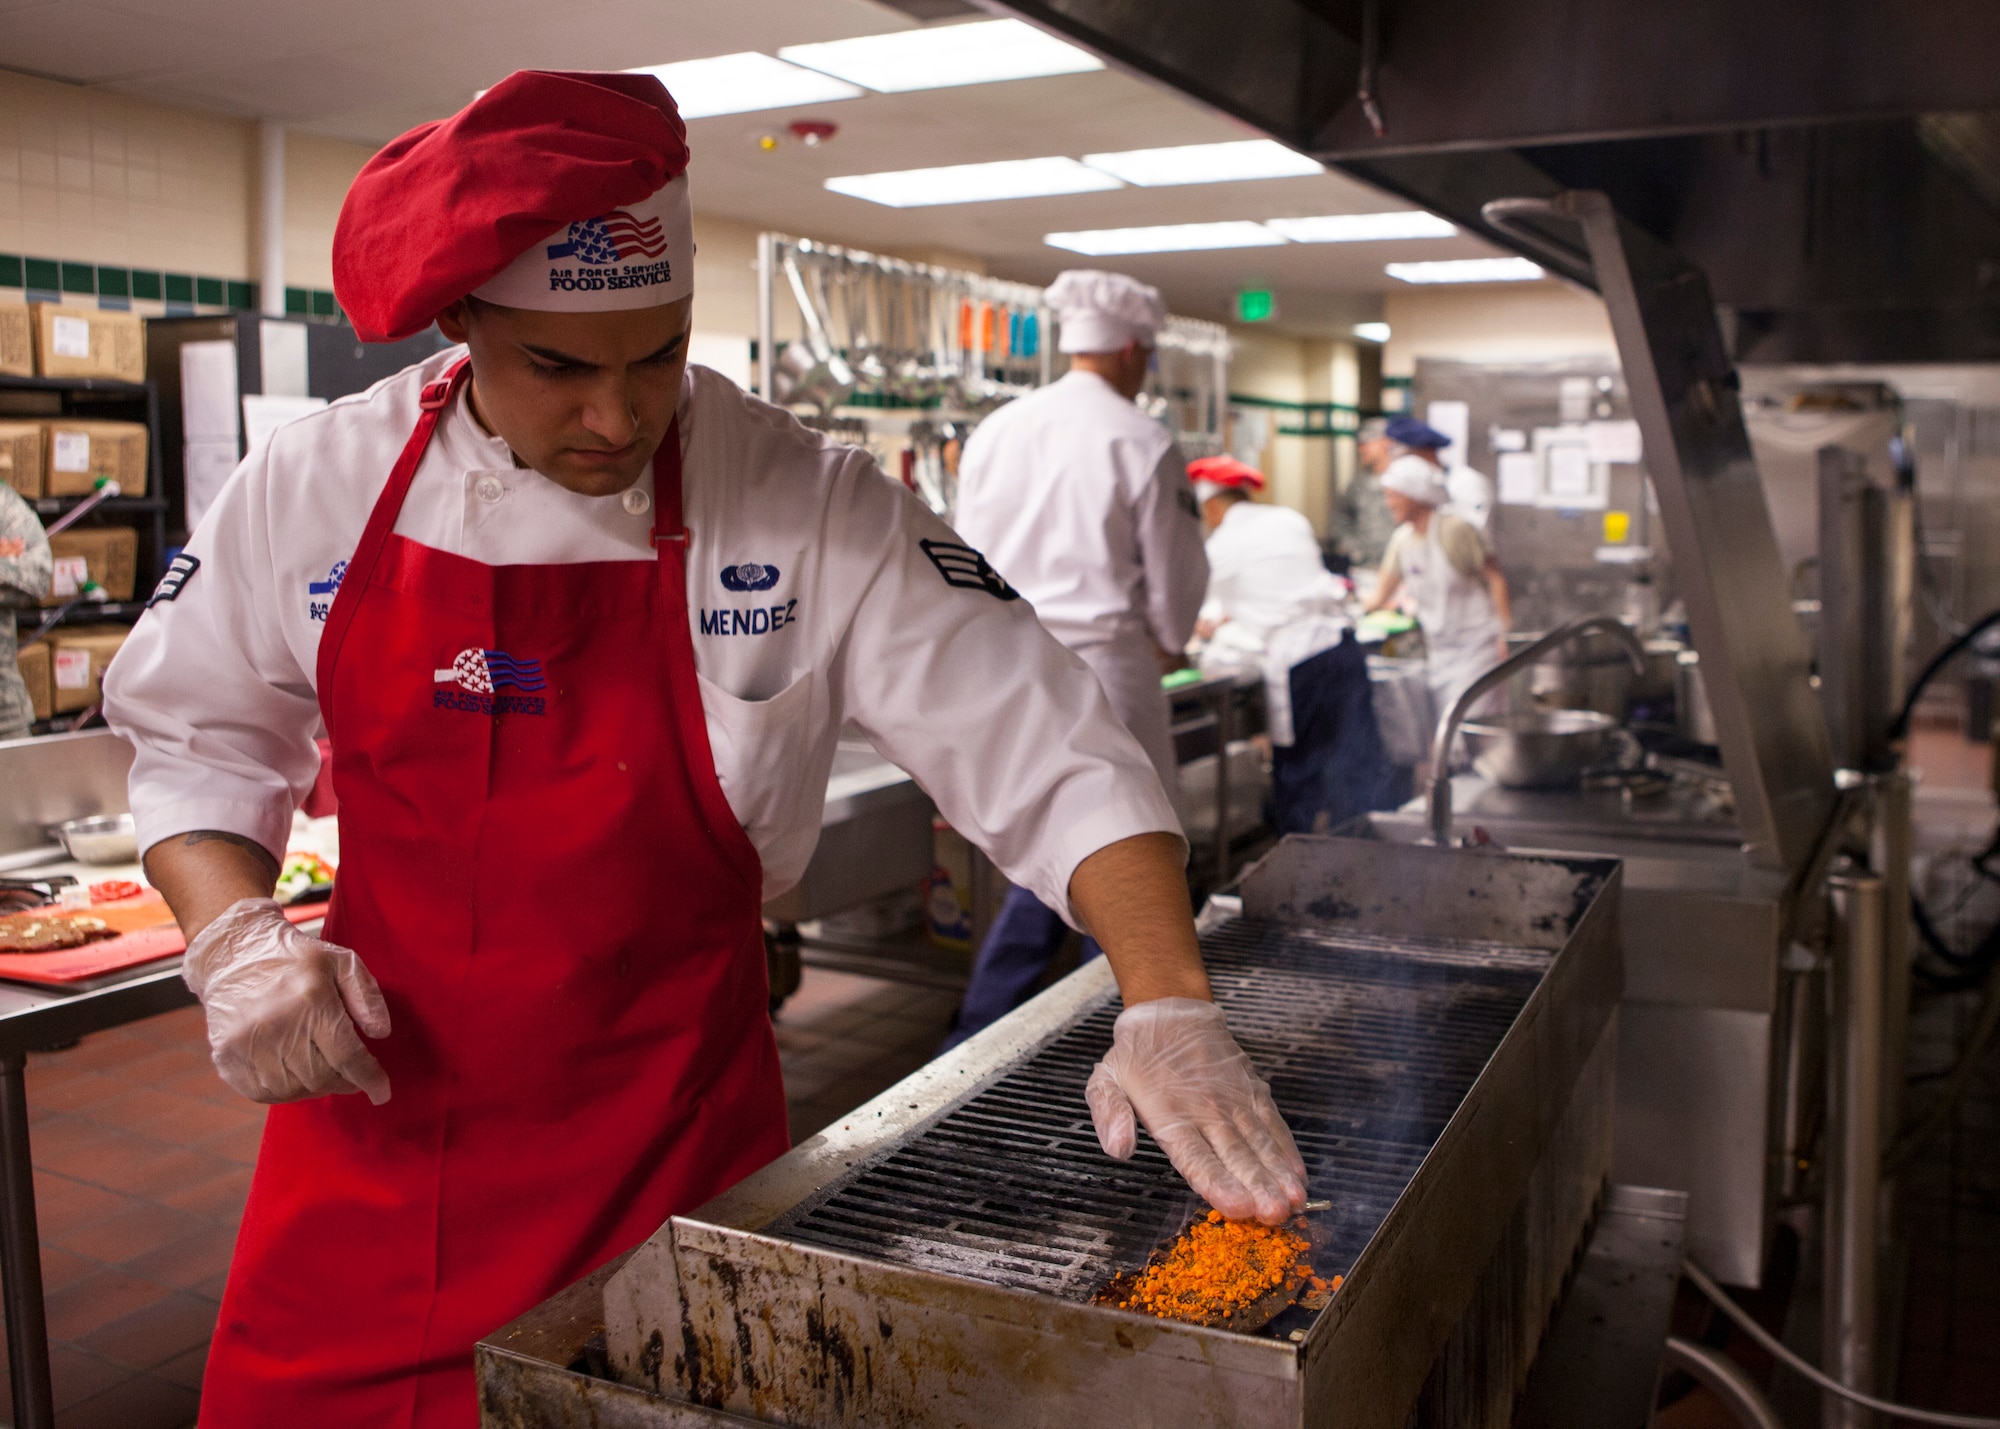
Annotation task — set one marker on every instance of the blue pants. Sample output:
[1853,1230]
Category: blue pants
[1023,941]
[1336,766]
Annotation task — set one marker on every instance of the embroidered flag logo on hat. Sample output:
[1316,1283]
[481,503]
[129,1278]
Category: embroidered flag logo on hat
[612,238]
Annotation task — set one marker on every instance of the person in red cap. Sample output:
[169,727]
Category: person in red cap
[1273,607]
[583,624]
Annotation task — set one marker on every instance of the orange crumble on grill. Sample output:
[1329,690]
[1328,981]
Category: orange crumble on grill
[1217,1268]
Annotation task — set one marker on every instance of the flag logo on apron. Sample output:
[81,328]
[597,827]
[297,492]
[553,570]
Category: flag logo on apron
[476,677]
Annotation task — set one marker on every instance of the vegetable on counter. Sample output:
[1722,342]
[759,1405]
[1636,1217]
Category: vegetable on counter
[303,874]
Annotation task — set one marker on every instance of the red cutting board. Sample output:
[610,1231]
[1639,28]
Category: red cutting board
[148,934]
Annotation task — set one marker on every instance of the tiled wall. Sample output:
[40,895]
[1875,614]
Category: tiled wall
[148,206]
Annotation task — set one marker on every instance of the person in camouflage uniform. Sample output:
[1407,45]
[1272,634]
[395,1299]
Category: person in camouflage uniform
[1365,522]
[25,570]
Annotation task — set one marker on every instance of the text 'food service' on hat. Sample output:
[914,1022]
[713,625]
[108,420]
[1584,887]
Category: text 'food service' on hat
[557,191]
[1418,478]
[1213,475]
[1104,312]
[1410,432]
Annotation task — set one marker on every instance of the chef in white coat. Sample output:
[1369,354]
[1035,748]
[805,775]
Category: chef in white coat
[1440,562]
[1081,502]
[584,624]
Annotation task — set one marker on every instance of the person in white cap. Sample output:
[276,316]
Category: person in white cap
[584,624]
[1081,501]
[1440,561]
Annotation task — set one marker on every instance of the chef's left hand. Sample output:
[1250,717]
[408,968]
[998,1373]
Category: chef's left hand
[1174,1066]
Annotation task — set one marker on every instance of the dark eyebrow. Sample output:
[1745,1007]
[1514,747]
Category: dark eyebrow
[667,349]
[554,358]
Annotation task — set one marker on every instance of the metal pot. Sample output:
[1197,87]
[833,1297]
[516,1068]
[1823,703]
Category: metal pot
[1594,673]
[101,838]
[1541,749]
[1691,708]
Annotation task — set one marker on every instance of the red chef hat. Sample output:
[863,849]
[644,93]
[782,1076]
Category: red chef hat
[1213,474]
[449,206]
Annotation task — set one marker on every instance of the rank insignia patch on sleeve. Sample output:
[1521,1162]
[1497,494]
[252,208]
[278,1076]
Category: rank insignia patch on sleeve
[179,571]
[965,568]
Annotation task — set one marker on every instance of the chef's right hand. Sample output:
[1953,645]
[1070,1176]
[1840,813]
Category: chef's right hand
[283,1007]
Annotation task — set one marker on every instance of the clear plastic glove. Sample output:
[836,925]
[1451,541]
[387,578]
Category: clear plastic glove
[282,1008]
[1174,1066]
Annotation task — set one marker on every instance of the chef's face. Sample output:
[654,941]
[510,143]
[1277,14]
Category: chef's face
[583,398]
[1402,509]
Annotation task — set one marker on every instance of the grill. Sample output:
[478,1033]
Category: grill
[1439,1028]
[1369,1049]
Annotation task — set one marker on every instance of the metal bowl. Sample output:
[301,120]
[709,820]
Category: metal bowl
[101,838]
[1540,749]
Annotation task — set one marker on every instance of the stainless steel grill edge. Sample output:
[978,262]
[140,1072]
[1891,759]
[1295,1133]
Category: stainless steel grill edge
[795,1299]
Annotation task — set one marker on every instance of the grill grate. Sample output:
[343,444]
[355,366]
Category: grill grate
[1369,1045]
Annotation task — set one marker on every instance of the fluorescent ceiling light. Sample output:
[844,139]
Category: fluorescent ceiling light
[1466,270]
[946,55]
[1364,227]
[737,84]
[974,183]
[1205,163]
[1166,238]
[1372,332]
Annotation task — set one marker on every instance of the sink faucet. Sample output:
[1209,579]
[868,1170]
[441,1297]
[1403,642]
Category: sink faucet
[1447,730]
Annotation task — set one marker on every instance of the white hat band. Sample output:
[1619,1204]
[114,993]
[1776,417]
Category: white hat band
[640,256]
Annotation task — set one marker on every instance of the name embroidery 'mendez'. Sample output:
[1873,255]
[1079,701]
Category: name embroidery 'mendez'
[757,620]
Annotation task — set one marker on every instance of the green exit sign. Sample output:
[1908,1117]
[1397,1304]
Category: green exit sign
[1256,305]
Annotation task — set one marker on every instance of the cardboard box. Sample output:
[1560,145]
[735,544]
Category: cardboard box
[73,341]
[17,341]
[77,451]
[21,463]
[108,555]
[37,673]
[78,657]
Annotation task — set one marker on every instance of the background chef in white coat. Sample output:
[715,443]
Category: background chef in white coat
[1081,502]
[1441,563]
[584,623]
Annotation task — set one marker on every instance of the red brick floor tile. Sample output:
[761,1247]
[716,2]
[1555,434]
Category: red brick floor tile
[239,1144]
[140,1167]
[168,1116]
[146,1227]
[211,1288]
[76,1376]
[172,1029]
[86,1089]
[220,1197]
[162,1064]
[97,1300]
[186,1369]
[205,1085]
[62,1203]
[73,1146]
[142,1402]
[63,1267]
[188,1262]
[155,1334]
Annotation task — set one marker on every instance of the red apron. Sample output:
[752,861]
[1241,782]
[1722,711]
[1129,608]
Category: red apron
[539,867]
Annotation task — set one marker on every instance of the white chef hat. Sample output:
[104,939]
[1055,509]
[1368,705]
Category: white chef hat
[1102,312]
[638,256]
[1420,480]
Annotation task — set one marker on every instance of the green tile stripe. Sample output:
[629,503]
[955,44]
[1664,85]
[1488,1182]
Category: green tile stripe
[48,275]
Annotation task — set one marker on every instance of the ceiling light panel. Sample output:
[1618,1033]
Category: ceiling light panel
[1467,270]
[1364,227]
[738,84]
[1205,163]
[1165,238]
[943,56]
[974,183]
[1372,332]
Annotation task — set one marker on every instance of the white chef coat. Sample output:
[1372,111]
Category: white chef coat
[1275,599]
[1082,502]
[846,618]
[1462,629]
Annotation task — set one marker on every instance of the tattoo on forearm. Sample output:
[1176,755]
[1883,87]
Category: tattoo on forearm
[251,846]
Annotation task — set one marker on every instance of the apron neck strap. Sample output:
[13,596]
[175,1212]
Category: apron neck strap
[667,522]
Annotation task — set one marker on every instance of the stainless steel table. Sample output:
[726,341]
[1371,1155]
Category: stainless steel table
[34,1019]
